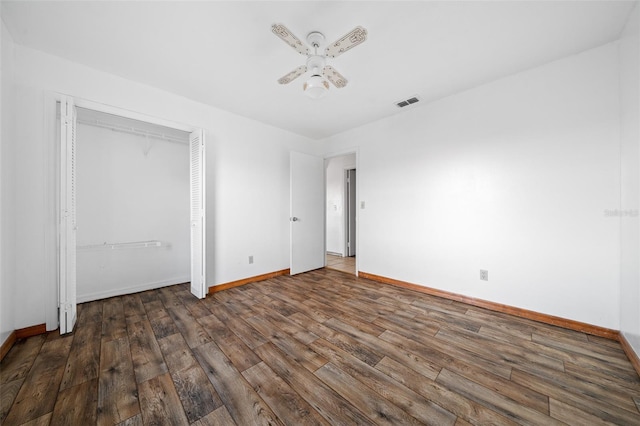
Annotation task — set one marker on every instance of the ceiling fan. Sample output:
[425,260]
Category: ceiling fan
[316,86]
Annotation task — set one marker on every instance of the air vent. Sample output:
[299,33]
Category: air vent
[407,102]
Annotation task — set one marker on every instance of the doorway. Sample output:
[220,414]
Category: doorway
[341,213]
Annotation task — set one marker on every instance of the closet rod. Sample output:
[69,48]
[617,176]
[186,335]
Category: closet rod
[132,131]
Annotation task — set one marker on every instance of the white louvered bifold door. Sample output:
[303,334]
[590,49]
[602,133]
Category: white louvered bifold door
[68,226]
[198,228]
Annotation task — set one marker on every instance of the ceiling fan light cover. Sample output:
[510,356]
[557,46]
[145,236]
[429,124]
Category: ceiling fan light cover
[316,87]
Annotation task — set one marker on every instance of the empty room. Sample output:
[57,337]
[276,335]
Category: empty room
[319,212]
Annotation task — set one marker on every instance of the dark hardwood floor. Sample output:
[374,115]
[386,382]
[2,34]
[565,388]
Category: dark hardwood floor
[320,348]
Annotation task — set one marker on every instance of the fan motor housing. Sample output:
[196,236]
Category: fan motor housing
[315,63]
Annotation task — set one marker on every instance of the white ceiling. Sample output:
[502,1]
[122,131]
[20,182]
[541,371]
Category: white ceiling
[224,54]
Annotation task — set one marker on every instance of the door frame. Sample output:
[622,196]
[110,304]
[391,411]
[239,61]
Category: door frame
[53,190]
[342,153]
[348,211]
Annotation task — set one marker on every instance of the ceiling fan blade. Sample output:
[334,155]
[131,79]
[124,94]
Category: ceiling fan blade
[293,75]
[334,77]
[288,37]
[348,41]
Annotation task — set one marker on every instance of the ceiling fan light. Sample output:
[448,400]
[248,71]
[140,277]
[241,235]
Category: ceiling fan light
[316,87]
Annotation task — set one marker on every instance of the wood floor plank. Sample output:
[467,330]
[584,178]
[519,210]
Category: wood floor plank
[197,395]
[90,312]
[402,326]
[114,325]
[132,305]
[83,363]
[341,340]
[132,421]
[285,324]
[162,324]
[572,415]
[297,300]
[240,354]
[177,354]
[286,402]
[618,397]
[196,306]
[330,405]
[298,351]
[159,402]
[448,399]
[602,353]
[145,352]
[556,389]
[374,406]
[477,371]
[44,420]
[219,417]
[38,393]
[499,352]
[462,422]
[442,353]
[152,306]
[20,358]
[148,296]
[168,297]
[249,335]
[117,389]
[493,400]
[411,402]
[8,393]
[37,396]
[243,403]
[192,331]
[194,389]
[77,405]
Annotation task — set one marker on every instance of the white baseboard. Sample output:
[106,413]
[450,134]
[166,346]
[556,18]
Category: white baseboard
[81,298]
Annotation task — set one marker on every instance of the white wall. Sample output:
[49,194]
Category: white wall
[128,191]
[335,169]
[630,181]
[7,192]
[247,177]
[513,177]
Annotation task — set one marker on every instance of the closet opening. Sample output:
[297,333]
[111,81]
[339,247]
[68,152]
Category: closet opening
[131,205]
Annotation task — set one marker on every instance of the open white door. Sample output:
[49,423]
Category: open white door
[67,297]
[307,213]
[198,222]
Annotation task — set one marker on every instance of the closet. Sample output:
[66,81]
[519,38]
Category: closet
[132,187]
[132,205]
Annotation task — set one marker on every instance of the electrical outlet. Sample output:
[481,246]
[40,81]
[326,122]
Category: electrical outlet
[484,275]
[250,260]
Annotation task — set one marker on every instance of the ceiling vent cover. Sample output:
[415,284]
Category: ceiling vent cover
[407,102]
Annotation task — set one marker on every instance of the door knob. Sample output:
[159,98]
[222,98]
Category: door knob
[294,219]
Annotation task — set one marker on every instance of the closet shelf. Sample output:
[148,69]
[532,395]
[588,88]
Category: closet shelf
[121,246]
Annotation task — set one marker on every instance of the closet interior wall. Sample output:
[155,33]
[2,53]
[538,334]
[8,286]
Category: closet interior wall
[132,206]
